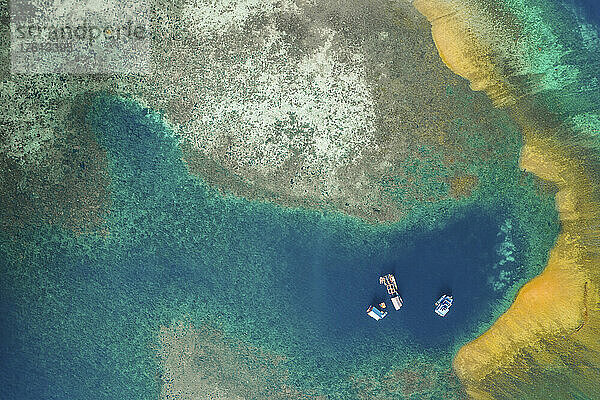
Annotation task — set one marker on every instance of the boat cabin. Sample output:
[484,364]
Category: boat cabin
[375,313]
[442,306]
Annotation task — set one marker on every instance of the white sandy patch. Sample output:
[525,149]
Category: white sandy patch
[271,103]
[213,17]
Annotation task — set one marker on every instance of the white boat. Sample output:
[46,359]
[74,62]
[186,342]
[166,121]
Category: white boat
[375,313]
[442,306]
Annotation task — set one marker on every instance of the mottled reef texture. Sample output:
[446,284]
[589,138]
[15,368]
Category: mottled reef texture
[201,363]
[541,64]
[53,170]
[419,380]
[335,105]
[342,106]
[339,106]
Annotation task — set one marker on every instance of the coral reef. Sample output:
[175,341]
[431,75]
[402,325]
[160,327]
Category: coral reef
[315,105]
[53,169]
[353,112]
[202,363]
[420,380]
[544,346]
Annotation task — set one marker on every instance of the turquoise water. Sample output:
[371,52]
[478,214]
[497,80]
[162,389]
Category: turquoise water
[81,314]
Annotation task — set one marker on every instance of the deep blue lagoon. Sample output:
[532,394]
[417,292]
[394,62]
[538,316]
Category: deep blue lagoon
[291,281]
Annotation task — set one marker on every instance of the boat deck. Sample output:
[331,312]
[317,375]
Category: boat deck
[390,284]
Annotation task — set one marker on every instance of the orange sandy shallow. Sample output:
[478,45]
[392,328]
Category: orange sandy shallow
[551,328]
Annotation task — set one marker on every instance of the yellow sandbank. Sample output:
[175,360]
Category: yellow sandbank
[546,345]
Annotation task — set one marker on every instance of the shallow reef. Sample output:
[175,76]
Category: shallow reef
[202,363]
[278,139]
[339,108]
[537,60]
